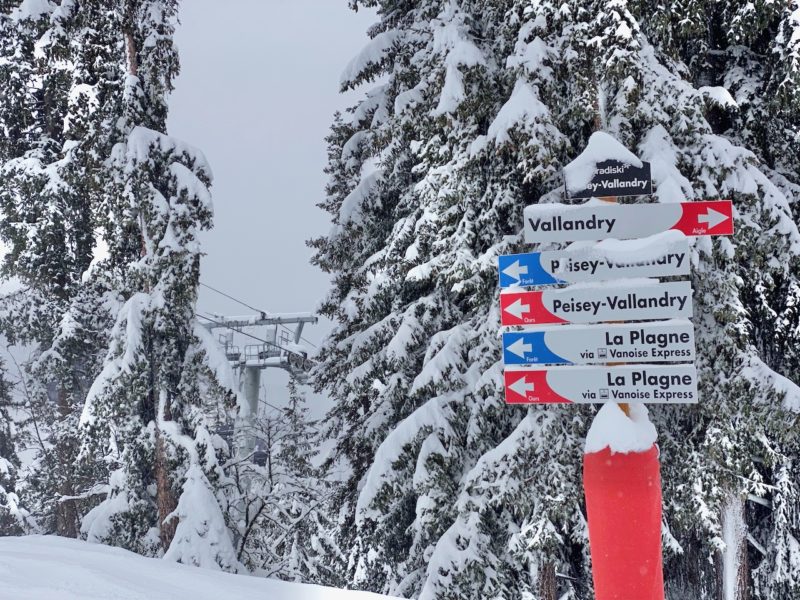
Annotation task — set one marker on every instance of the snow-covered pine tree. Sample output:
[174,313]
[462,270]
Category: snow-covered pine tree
[450,494]
[46,188]
[14,73]
[144,415]
[87,166]
[201,537]
[12,515]
[744,68]
[304,542]
[10,137]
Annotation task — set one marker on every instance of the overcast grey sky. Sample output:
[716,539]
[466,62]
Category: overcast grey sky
[258,88]
[257,91]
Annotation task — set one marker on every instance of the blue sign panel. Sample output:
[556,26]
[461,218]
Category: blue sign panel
[524,270]
[529,348]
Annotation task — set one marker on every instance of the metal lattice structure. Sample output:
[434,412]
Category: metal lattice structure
[285,352]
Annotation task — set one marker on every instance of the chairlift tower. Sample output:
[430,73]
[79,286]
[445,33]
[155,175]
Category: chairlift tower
[273,352]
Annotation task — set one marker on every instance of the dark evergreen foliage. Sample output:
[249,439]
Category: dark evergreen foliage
[447,492]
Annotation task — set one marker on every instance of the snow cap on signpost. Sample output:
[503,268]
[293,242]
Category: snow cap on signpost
[606,168]
[620,432]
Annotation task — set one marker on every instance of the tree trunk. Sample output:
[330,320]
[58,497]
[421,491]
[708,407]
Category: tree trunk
[743,583]
[733,566]
[547,582]
[130,47]
[165,498]
[66,512]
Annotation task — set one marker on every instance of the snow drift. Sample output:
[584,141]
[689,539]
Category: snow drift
[54,568]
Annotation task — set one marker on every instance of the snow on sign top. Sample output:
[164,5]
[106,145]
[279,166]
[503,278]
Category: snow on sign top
[606,168]
[659,255]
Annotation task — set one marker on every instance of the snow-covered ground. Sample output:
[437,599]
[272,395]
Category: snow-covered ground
[53,568]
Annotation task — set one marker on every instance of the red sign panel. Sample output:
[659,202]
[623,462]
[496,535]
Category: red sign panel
[530,387]
[525,308]
[712,217]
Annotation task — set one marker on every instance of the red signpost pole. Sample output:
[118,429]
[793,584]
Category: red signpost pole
[623,510]
[623,506]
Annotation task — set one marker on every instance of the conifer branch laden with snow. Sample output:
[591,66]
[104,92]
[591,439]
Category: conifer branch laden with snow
[448,493]
[102,210]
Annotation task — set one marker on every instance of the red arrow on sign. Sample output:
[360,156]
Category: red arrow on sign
[525,308]
[526,387]
[709,217]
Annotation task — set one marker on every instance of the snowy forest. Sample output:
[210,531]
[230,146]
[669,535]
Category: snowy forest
[121,414]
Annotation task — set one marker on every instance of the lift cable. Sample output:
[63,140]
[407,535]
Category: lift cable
[221,293]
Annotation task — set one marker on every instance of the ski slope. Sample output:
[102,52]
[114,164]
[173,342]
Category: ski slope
[54,568]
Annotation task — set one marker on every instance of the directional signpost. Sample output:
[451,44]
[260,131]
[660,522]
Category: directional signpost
[655,384]
[595,304]
[661,341]
[566,222]
[629,336]
[593,264]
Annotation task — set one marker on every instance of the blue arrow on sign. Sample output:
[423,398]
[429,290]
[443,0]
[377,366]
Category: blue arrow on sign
[529,348]
[524,269]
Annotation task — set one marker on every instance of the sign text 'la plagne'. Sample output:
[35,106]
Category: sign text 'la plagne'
[595,264]
[594,304]
[597,221]
[659,341]
[654,384]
